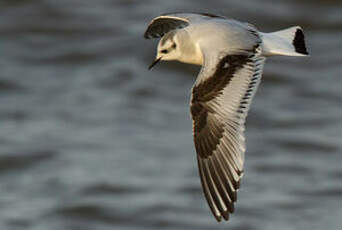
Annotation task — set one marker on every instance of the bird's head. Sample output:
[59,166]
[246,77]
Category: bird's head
[167,50]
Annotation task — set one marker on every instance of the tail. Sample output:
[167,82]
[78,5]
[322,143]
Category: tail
[288,42]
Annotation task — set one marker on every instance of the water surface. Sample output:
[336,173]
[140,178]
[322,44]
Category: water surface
[92,140]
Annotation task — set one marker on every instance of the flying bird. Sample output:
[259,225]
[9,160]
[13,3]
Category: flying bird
[232,55]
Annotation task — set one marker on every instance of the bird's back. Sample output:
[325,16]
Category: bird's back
[221,34]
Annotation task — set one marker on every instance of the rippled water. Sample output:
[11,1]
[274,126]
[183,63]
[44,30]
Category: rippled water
[92,140]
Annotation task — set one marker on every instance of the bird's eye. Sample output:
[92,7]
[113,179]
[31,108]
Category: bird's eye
[174,45]
[164,51]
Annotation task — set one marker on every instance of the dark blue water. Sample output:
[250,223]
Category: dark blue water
[89,139]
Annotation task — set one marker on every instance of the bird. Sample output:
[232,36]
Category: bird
[231,54]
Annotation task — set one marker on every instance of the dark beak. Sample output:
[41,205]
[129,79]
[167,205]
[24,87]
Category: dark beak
[154,63]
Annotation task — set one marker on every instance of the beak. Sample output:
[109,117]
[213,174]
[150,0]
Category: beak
[154,63]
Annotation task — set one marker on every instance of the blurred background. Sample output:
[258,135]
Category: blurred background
[90,139]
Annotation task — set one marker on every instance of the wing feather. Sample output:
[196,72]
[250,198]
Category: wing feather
[165,23]
[206,190]
[219,107]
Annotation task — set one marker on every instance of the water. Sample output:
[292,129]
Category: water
[92,140]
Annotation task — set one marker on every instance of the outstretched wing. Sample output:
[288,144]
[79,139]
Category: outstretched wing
[219,106]
[163,24]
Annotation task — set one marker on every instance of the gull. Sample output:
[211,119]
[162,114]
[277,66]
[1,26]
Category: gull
[232,56]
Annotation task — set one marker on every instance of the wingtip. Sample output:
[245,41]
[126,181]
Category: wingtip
[146,33]
[225,215]
[218,218]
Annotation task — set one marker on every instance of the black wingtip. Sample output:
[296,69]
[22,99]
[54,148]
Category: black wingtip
[218,218]
[225,215]
[299,42]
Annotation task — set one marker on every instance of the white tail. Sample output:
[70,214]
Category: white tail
[288,42]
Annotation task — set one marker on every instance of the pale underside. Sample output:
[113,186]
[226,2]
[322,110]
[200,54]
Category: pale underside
[218,126]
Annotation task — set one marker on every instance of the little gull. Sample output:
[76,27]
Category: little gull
[232,56]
